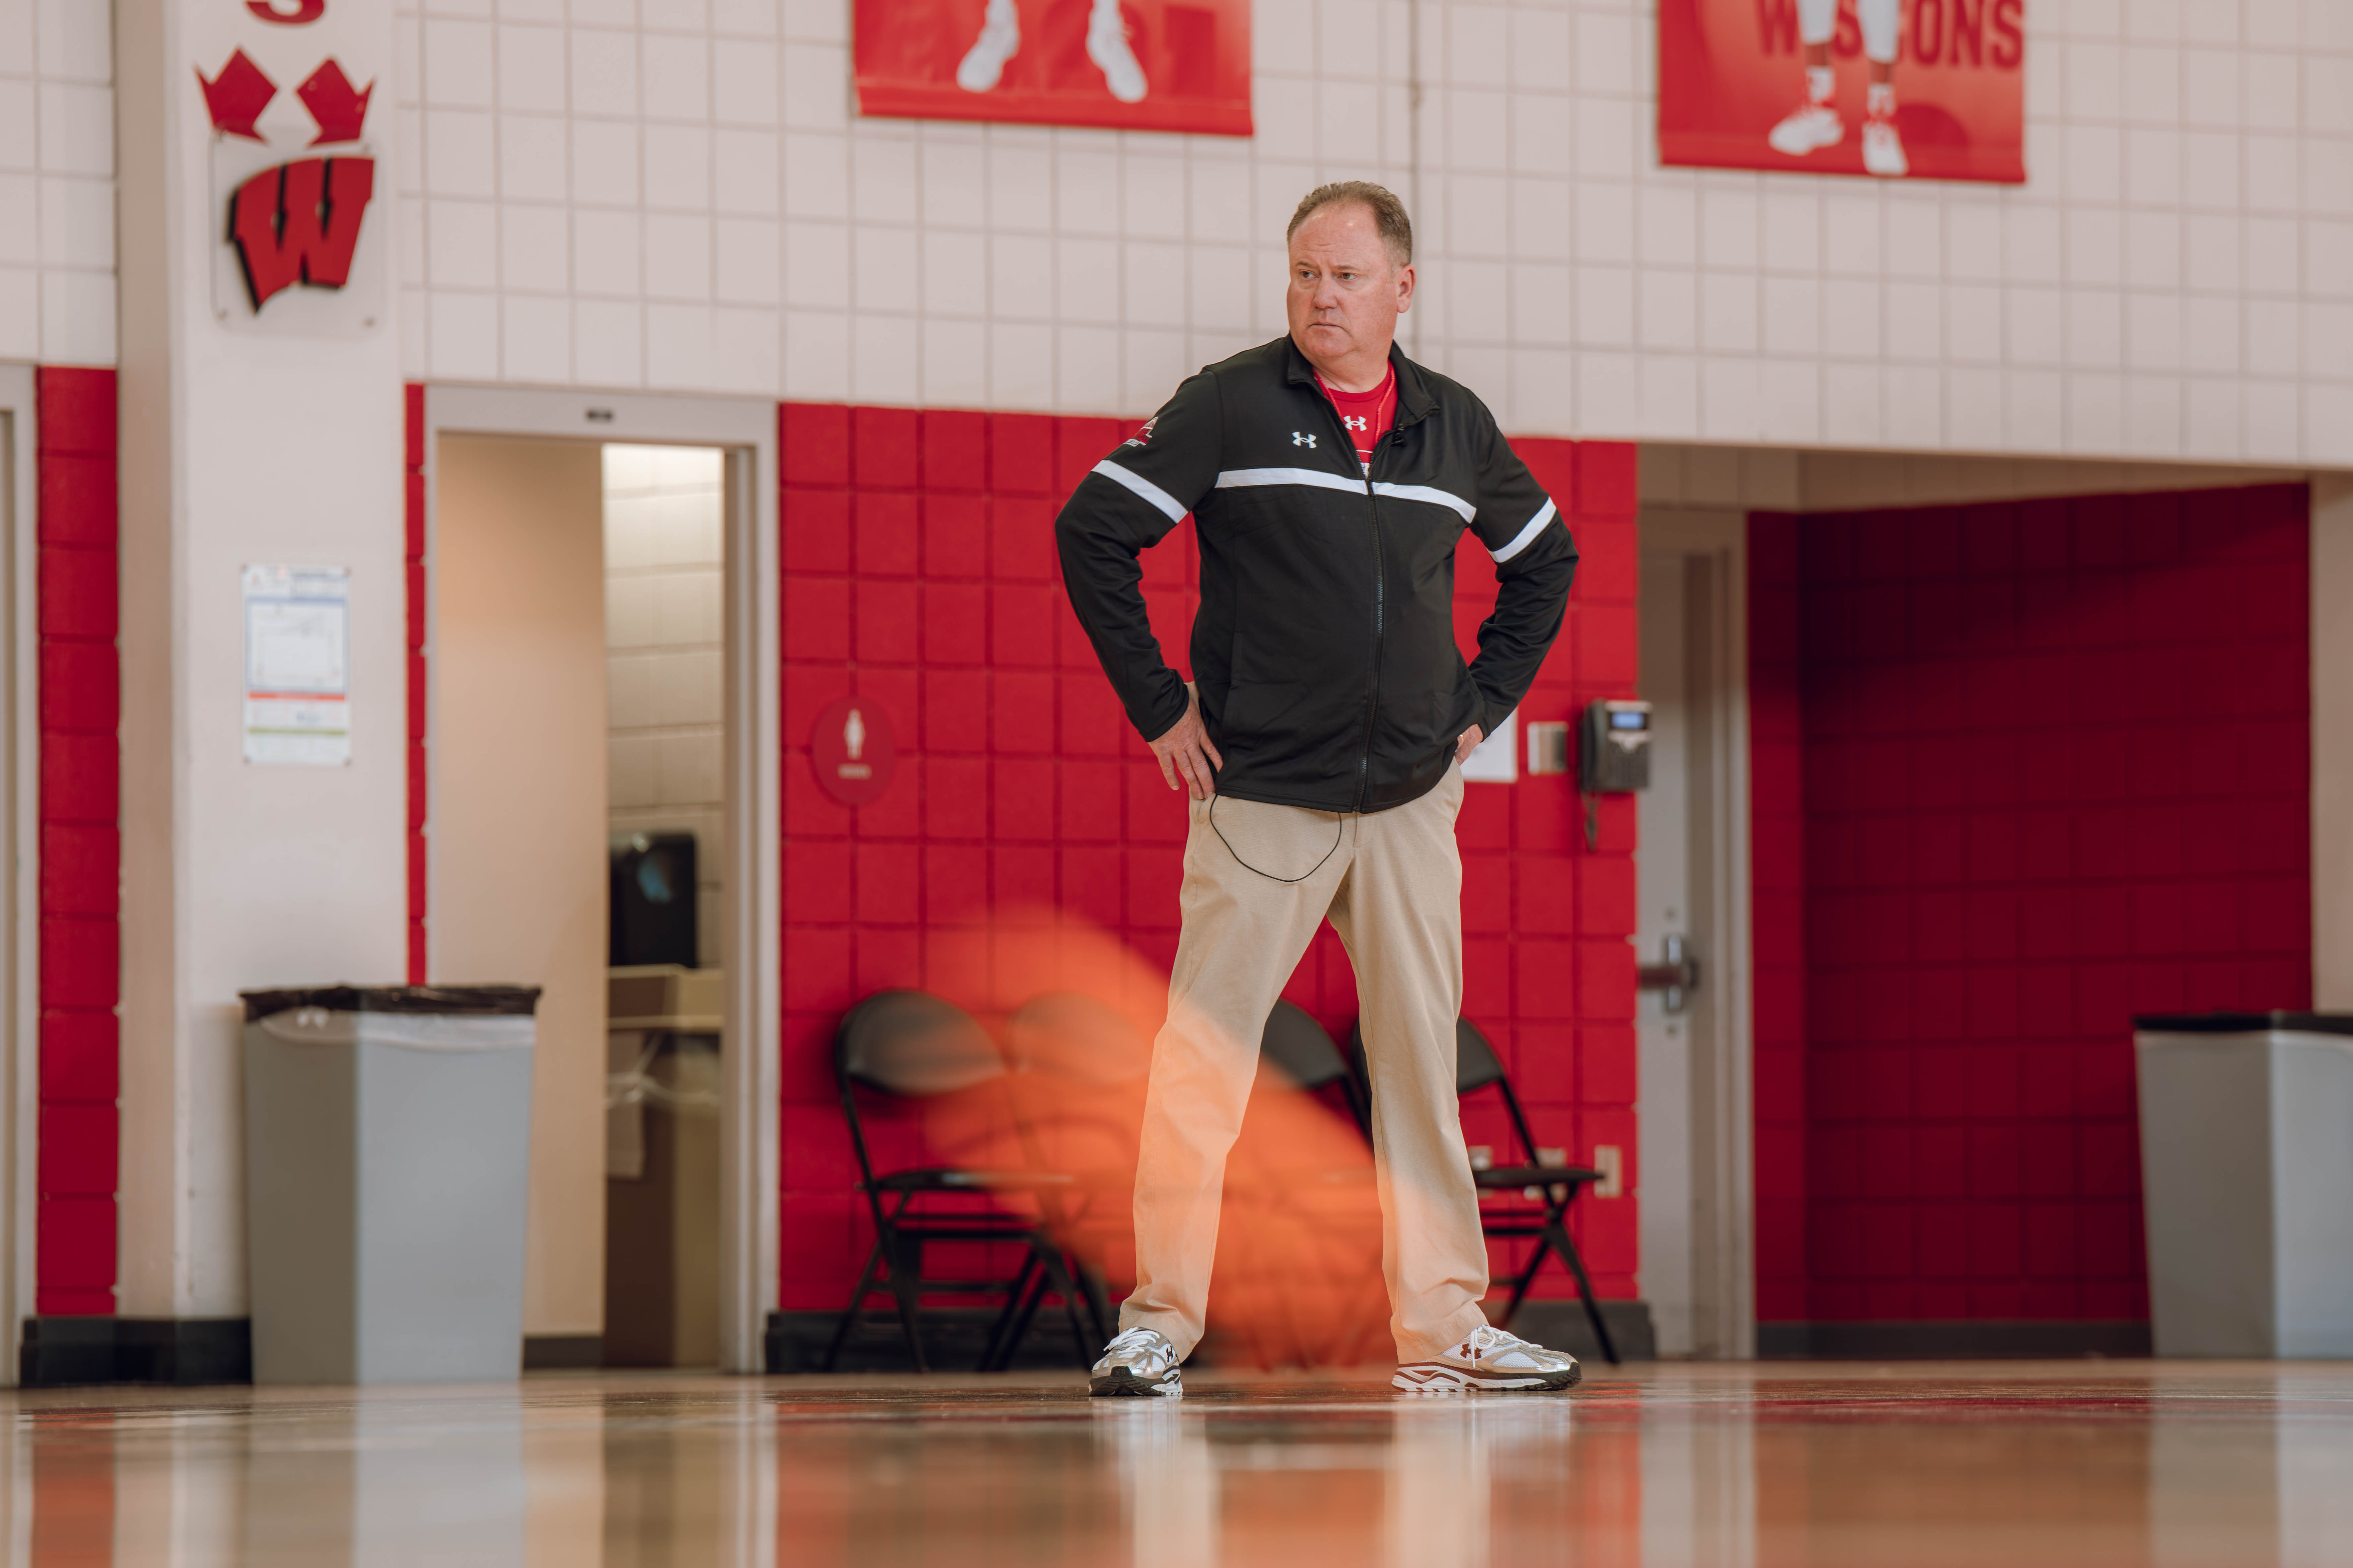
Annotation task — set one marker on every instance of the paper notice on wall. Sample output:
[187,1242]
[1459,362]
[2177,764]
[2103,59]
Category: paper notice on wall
[1495,759]
[297,646]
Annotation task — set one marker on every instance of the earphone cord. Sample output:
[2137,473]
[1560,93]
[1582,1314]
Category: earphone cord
[1339,830]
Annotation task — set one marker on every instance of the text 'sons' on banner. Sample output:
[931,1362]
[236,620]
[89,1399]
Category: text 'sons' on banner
[1128,65]
[1735,92]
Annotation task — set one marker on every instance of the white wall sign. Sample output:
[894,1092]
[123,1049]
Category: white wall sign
[1496,759]
[298,660]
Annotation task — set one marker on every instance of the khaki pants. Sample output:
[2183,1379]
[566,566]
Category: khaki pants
[1391,884]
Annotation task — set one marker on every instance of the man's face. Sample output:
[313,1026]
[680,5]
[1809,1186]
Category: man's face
[1346,291]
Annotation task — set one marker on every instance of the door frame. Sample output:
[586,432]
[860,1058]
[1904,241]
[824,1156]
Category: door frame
[1724,1258]
[752,922]
[20,803]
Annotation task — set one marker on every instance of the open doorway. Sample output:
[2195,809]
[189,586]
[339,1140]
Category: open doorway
[579,799]
[665,567]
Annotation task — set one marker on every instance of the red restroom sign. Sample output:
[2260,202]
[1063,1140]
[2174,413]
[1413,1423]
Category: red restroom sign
[852,750]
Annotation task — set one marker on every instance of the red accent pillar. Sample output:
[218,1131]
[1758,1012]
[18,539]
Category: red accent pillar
[81,842]
[413,557]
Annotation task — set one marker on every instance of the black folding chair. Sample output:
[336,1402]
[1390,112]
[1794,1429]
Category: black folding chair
[1476,1066]
[1075,1063]
[912,1045]
[1297,1046]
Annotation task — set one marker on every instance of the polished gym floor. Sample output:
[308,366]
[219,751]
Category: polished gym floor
[2078,1463]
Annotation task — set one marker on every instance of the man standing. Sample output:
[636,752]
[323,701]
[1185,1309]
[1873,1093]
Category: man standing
[1329,478]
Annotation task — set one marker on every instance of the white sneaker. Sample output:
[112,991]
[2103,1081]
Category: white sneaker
[1107,47]
[1489,1358]
[1882,149]
[1138,1361]
[984,63]
[1807,129]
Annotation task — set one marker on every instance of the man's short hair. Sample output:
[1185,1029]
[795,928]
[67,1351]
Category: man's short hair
[1389,214]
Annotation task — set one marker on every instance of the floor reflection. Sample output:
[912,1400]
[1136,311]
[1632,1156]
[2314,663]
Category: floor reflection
[1716,1467]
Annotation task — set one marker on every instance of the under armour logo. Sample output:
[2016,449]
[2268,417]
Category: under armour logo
[1299,440]
[1356,421]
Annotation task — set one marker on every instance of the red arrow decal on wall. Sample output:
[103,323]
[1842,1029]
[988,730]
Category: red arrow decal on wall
[235,97]
[339,109]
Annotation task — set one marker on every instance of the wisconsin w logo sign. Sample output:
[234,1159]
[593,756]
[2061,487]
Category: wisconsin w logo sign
[300,221]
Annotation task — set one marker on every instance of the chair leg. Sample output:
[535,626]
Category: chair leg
[850,1313]
[1556,1234]
[1520,1283]
[906,1289]
[1050,1262]
[1098,1313]
[998,1350]
[1032,1297]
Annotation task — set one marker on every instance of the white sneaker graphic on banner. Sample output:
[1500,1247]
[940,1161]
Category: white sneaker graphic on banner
[1107,47]
[1807,129]
[1882,149]
[999,41]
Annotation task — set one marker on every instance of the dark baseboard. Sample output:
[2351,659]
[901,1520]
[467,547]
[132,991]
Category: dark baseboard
[1963,1338]
[181,1352]
[1562,1326]
[953,1337]
[563,1353]
[60,1353]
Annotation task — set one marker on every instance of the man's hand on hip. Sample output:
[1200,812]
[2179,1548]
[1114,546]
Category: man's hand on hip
[1186,749]
[1468,743]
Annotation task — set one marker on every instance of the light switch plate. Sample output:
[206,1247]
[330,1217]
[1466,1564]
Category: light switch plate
[1548,748]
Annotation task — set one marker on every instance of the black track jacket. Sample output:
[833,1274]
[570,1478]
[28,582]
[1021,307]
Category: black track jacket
[1323,648]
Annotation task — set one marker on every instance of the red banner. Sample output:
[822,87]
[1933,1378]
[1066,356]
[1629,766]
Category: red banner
[1129,65]
[1924,89]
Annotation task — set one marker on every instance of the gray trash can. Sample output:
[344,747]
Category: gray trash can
[387,1160]
[2246,1141]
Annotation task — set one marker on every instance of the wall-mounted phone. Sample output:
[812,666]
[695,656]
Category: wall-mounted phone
[1613,755]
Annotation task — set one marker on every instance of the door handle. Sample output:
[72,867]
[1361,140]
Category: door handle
[1676,975]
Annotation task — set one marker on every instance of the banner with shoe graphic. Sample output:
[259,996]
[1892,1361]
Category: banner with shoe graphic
[1892,89]
[1128,64]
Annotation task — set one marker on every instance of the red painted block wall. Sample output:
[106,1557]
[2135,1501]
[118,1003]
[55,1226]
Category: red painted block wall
[920,574]
[2055,766]
[81,842]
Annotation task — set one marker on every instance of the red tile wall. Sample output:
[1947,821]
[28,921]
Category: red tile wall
[920,574]
[413,561]
[2056,761]
[1777,807]
[81,842]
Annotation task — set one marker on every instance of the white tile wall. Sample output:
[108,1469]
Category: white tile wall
[693,175]
[677,194]
[56,182]
[1674,475]
[663,632]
